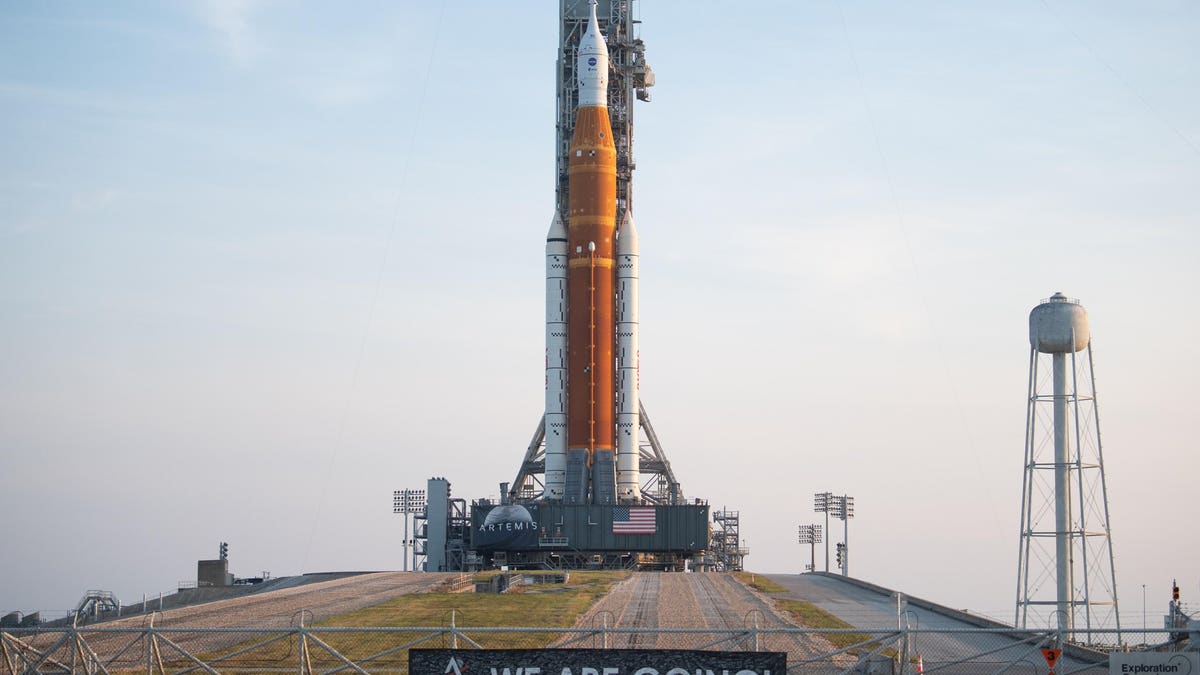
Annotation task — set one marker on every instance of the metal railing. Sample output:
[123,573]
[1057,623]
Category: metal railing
[310,649]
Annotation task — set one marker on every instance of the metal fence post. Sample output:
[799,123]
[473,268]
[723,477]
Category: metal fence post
[305,665]
[750,621]
[151,645]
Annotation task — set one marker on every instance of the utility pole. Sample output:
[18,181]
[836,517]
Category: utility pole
[811,535]
[822,502]
[842,507]
[407,502]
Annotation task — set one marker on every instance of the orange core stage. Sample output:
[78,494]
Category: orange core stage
[591,226]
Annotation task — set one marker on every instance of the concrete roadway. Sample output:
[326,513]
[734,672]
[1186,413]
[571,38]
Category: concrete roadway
[867,607]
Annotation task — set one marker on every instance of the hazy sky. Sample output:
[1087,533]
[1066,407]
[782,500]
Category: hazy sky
[262,263]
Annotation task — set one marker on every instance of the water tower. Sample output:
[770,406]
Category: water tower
[1065,573]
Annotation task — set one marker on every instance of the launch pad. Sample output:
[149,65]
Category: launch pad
[547,535]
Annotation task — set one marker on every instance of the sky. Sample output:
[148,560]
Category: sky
[263,263]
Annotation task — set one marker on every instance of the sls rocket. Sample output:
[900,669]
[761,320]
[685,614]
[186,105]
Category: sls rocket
[591,417]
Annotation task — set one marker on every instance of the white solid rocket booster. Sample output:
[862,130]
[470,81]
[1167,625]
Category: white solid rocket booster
[628,423]
[556,359]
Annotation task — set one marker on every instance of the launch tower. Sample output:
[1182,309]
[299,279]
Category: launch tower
[646,471]
[1065,573]
[590,492]
[629,77]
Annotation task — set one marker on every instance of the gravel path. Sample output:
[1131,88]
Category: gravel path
[702,600]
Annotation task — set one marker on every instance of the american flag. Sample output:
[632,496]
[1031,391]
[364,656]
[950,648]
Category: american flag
[634,520]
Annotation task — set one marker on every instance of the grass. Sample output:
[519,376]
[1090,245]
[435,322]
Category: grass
[554,607]
[759,583]
[811,616]
[558,609]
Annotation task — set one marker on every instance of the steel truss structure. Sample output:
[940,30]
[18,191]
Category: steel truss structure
[659,485]
[725,545]
[1061,411]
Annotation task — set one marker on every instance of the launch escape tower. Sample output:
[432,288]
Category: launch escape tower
[1065,573]
[630,78]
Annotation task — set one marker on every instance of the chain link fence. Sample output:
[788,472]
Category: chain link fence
[328,650]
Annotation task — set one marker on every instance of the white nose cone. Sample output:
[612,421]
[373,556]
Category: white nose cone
[627,239]
[591,65]
[557,233]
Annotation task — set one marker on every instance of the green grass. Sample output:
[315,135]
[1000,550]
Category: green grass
[759,583]
[811,616]
[559,606]
[550,606]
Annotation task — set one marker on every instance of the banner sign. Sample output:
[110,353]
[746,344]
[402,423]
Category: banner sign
[593,662]
[511,526]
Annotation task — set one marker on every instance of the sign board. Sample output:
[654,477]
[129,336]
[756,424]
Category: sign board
[510,526]
[592,662]
[1154,663]
[1051,656]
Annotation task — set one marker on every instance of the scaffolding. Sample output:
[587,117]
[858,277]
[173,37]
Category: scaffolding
[725,545]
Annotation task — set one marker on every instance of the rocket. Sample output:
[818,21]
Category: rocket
[591,234]
[591,414]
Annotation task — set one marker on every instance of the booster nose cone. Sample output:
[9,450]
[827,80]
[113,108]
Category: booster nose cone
[627,239]
[558,232]
[591,64]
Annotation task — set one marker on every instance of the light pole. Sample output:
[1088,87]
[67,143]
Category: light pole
[407,502]
[842,507]
[811,535]
[822,502]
